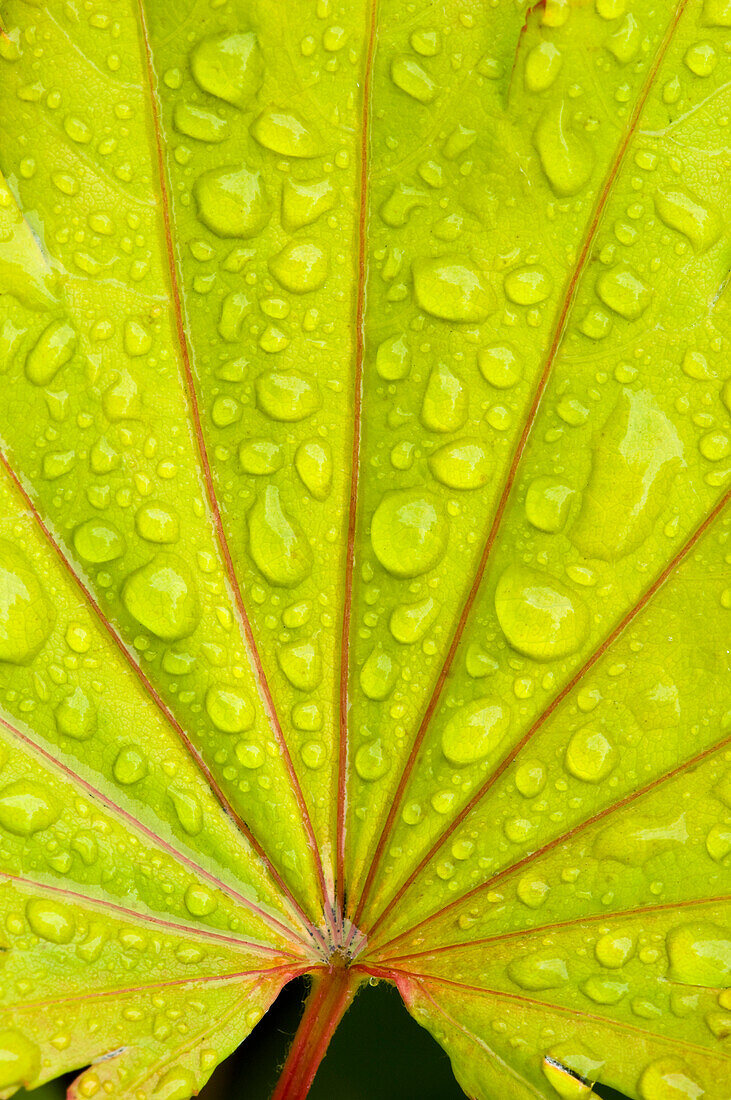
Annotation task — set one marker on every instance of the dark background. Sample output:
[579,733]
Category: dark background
[378,1053]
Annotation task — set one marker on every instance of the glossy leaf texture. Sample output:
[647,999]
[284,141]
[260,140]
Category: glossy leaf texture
[364,567]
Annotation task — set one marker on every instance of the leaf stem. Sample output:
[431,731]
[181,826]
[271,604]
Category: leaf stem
[330,997]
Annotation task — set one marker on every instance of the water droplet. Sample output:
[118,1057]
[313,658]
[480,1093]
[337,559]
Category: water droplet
[566,157]
[260,456]
[530,778]
[301,664]
[701,58]
[636,456]
[638,839]
[624,43]
[539,615]
[121,400]
[228,66]
[304,202]
[410,622]
[474,731]
[313,754]
[499,365]
[590,756]
[300,267]
[571,1068]
[464,464]
[187,810]
[379,674]
[624,292]
[157,523]
[700,954]
[26,616]
[547,503]
[542,66]
[392,359]
[77,130]
[232,201]
[678,210]
[371,761]
[527,286]
[669,1079]
[286,133]
[412,78]
[26,808]
[400,204]
[199,124]
[539,971]
[52,350]
[453,289]
[76,716]
[98,541]
[130,765]
[409,532]
[313,462]
[278,545]
[161,596]
[614,949]
[289,397]
[20,1059]
[229,709]
[50,920]
[177,1083]
[199,901]
[446,403]
[307,716]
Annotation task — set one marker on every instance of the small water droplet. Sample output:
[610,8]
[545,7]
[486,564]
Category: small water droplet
[161,596]
[453,289]
[279,547]
[474,731]
[539,615]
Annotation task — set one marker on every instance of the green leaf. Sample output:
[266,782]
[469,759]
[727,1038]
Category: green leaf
[363,571]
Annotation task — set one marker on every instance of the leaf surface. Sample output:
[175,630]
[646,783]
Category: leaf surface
[363,550]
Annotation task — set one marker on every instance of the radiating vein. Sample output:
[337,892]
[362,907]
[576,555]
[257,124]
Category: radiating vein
[360,303]
[559,330]
[154,838]
[489,884]
[186,361]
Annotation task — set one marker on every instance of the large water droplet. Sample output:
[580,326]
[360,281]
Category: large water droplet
[371,761]
[50,920]
[232,201]
[624,292]
[289,397]
[409,532]
[228,66]
[76,716]
[177,1083]
[539,615]
[301,664]
[379,674]
[636,455]
[547,503]
[52,350]
[565,155]
[161,596]
[130,765]
[26,616]
[229,709]
[278,545]
[26,807]
[474,731]
[98,541]
[590,756]
[409,622]
[700,954]
[464,464]
[669,1079]
[304,202]
[412,78]
[701,224]
[313,463]
[392,359]
[542,66]
[300,267]
[20,1059]
[638,839]
[446,403]
[260,457]
[157,522]
[539,971]
[499,365]
[614,949]
[527,286]
[285,132]
[198,124]
[453,289]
